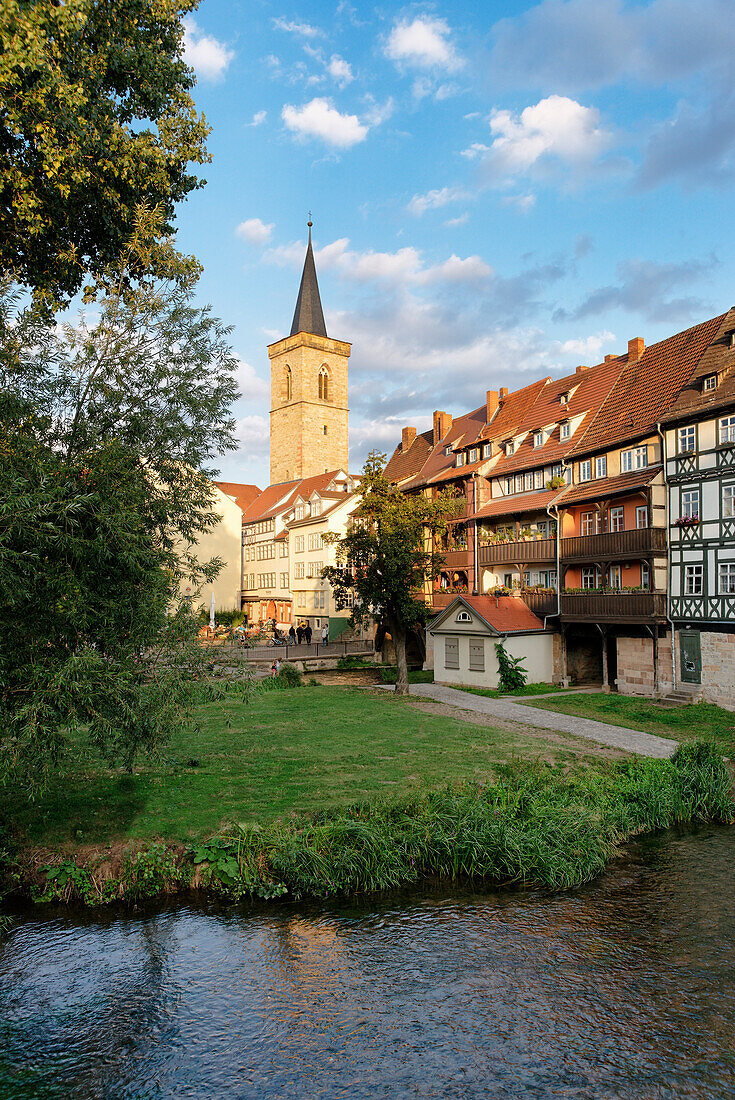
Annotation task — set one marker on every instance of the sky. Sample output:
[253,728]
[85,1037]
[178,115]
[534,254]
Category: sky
[499,191]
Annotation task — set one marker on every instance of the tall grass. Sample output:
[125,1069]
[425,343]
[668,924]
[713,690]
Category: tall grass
[531,825]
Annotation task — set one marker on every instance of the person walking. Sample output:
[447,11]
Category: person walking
[291,635]
[307,632]
[325,634]
[300,633]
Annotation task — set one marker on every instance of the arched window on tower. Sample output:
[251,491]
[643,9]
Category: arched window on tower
[324,384]
[288,384]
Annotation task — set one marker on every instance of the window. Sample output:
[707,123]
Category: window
[588,523]
[728,501]
[601,466]
[519,483]
[617,518]
[460,460]
[615,576]
[284,580]
[325,429]
[538,479]
[473,454]
[563,398]
[284,548]
[538,439]
[558,470]
[299,570]
[690,503]
[641,516]
[316,507]
[565,431]
[727,429]
[710,383]
[528,482]
[600,522]
[510,448]
[477,654]
[686,439]
[323,384]
[645,575]
[448,451]
[585,470]
[727,579]
[634,459]
[289,384]
[301,599]
[349,599]
[486,450]
[693,580]
[508,486]
[451,652]
[300,510]
[590,577]
[299,544]
[542,527]
[319,601]
[463,617]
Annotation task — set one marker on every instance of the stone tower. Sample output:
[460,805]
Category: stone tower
[308,390]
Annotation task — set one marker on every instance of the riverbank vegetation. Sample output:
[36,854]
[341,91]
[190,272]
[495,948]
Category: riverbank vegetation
[686,723]
[317,791]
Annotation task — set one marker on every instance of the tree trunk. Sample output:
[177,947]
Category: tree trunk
[399,644]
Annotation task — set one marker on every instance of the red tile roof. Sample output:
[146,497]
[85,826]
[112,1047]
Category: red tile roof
[503,614]
[610,486]
[647,388]
[279,498]
[401,466]
[243,495]
[465,429]
[719,359]
[513,505]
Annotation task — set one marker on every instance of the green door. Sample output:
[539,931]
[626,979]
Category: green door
[691,656]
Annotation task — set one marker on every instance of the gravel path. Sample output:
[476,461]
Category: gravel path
[643,744]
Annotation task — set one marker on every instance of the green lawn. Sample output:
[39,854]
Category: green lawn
[527,689]
[699,720]
[298,749]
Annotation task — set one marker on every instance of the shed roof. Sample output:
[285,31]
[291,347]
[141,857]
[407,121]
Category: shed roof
[502,614]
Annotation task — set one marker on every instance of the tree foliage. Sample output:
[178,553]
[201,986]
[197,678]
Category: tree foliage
[106,429]
[511,676]
[383,559]
[95,119]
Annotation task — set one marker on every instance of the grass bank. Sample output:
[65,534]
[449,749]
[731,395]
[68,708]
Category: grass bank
[527,689]
[697,721]
[318,791]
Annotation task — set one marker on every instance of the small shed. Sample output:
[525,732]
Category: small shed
[466,632]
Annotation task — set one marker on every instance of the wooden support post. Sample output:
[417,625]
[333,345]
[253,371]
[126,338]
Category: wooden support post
[564,667]
[656,685]
[603,635]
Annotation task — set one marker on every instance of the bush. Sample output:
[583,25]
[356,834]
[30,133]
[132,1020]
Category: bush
[512,676]
[288,676]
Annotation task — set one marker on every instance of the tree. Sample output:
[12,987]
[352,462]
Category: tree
[383,559]
[106,431]
[95,119]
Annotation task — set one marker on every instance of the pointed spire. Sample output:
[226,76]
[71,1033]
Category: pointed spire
[308,316]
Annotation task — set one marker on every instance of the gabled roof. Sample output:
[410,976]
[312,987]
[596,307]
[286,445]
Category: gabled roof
[243,495]
[401,466]
[308,315]
[502,614]
[465,429]
[512,411]
[281,497]
[647,388]
[344,498]
[719,359]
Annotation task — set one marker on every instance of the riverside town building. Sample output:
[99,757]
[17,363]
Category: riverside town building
[605,502]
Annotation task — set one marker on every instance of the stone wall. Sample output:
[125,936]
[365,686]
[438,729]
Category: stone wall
[718,667]
[636,674]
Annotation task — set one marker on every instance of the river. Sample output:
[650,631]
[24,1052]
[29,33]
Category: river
[625,988]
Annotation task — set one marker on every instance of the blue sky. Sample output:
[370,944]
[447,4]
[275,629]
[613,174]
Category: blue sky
[497,194]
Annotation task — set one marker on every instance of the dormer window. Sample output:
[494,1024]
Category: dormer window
[709,383]
[316,507]
[509,448]
[473,454]
[460,460]
[565,430]
[300,511]
[448,451]
[538,439]
[486,451]
[563,398]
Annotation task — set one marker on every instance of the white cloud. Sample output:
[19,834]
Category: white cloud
[452,223]
[377,113]
[207,56]
[254,231]
[455,270]
[253,436]
[258,118]
[432,200]
[252,387]
[522,203]
[423,43]
[319,119]
[340,70]
[556,127]
[304,30]
[589,347]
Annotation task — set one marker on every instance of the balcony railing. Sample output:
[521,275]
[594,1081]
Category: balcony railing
[517,551]
[541,603]
[614,545]
[455,558]
[613,606]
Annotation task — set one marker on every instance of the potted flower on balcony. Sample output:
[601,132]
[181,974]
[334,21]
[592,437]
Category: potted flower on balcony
[526,534]
[556,482]
[687,521]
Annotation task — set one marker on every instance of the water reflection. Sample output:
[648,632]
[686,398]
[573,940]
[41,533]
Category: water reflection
[623,989]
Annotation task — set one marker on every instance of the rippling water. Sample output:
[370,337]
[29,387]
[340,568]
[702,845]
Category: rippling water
[625,988]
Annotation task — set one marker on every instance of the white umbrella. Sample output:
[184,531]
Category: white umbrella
[211,612]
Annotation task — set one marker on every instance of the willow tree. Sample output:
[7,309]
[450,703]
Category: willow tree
[383,561]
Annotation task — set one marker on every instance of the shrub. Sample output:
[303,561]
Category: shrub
[512,676]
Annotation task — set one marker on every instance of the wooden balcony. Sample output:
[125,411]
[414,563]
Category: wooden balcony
[613,607]
[454,559]
[614,545]
[442,598]
[517,552]
[541,603]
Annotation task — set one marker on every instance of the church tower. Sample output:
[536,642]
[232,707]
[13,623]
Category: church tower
[308,390]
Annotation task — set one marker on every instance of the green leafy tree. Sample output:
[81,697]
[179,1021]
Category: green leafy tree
[107,434]
[383,559]
[95,119]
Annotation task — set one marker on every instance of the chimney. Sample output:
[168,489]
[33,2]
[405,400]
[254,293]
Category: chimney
[442,424]
[492,405]
[636,348]
[581,368]
[503,393]
[407,437]
[609,357]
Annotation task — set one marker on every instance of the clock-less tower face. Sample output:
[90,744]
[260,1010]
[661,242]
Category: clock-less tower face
[309,412]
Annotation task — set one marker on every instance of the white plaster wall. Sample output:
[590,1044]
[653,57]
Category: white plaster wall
[223,541]
[538,650]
